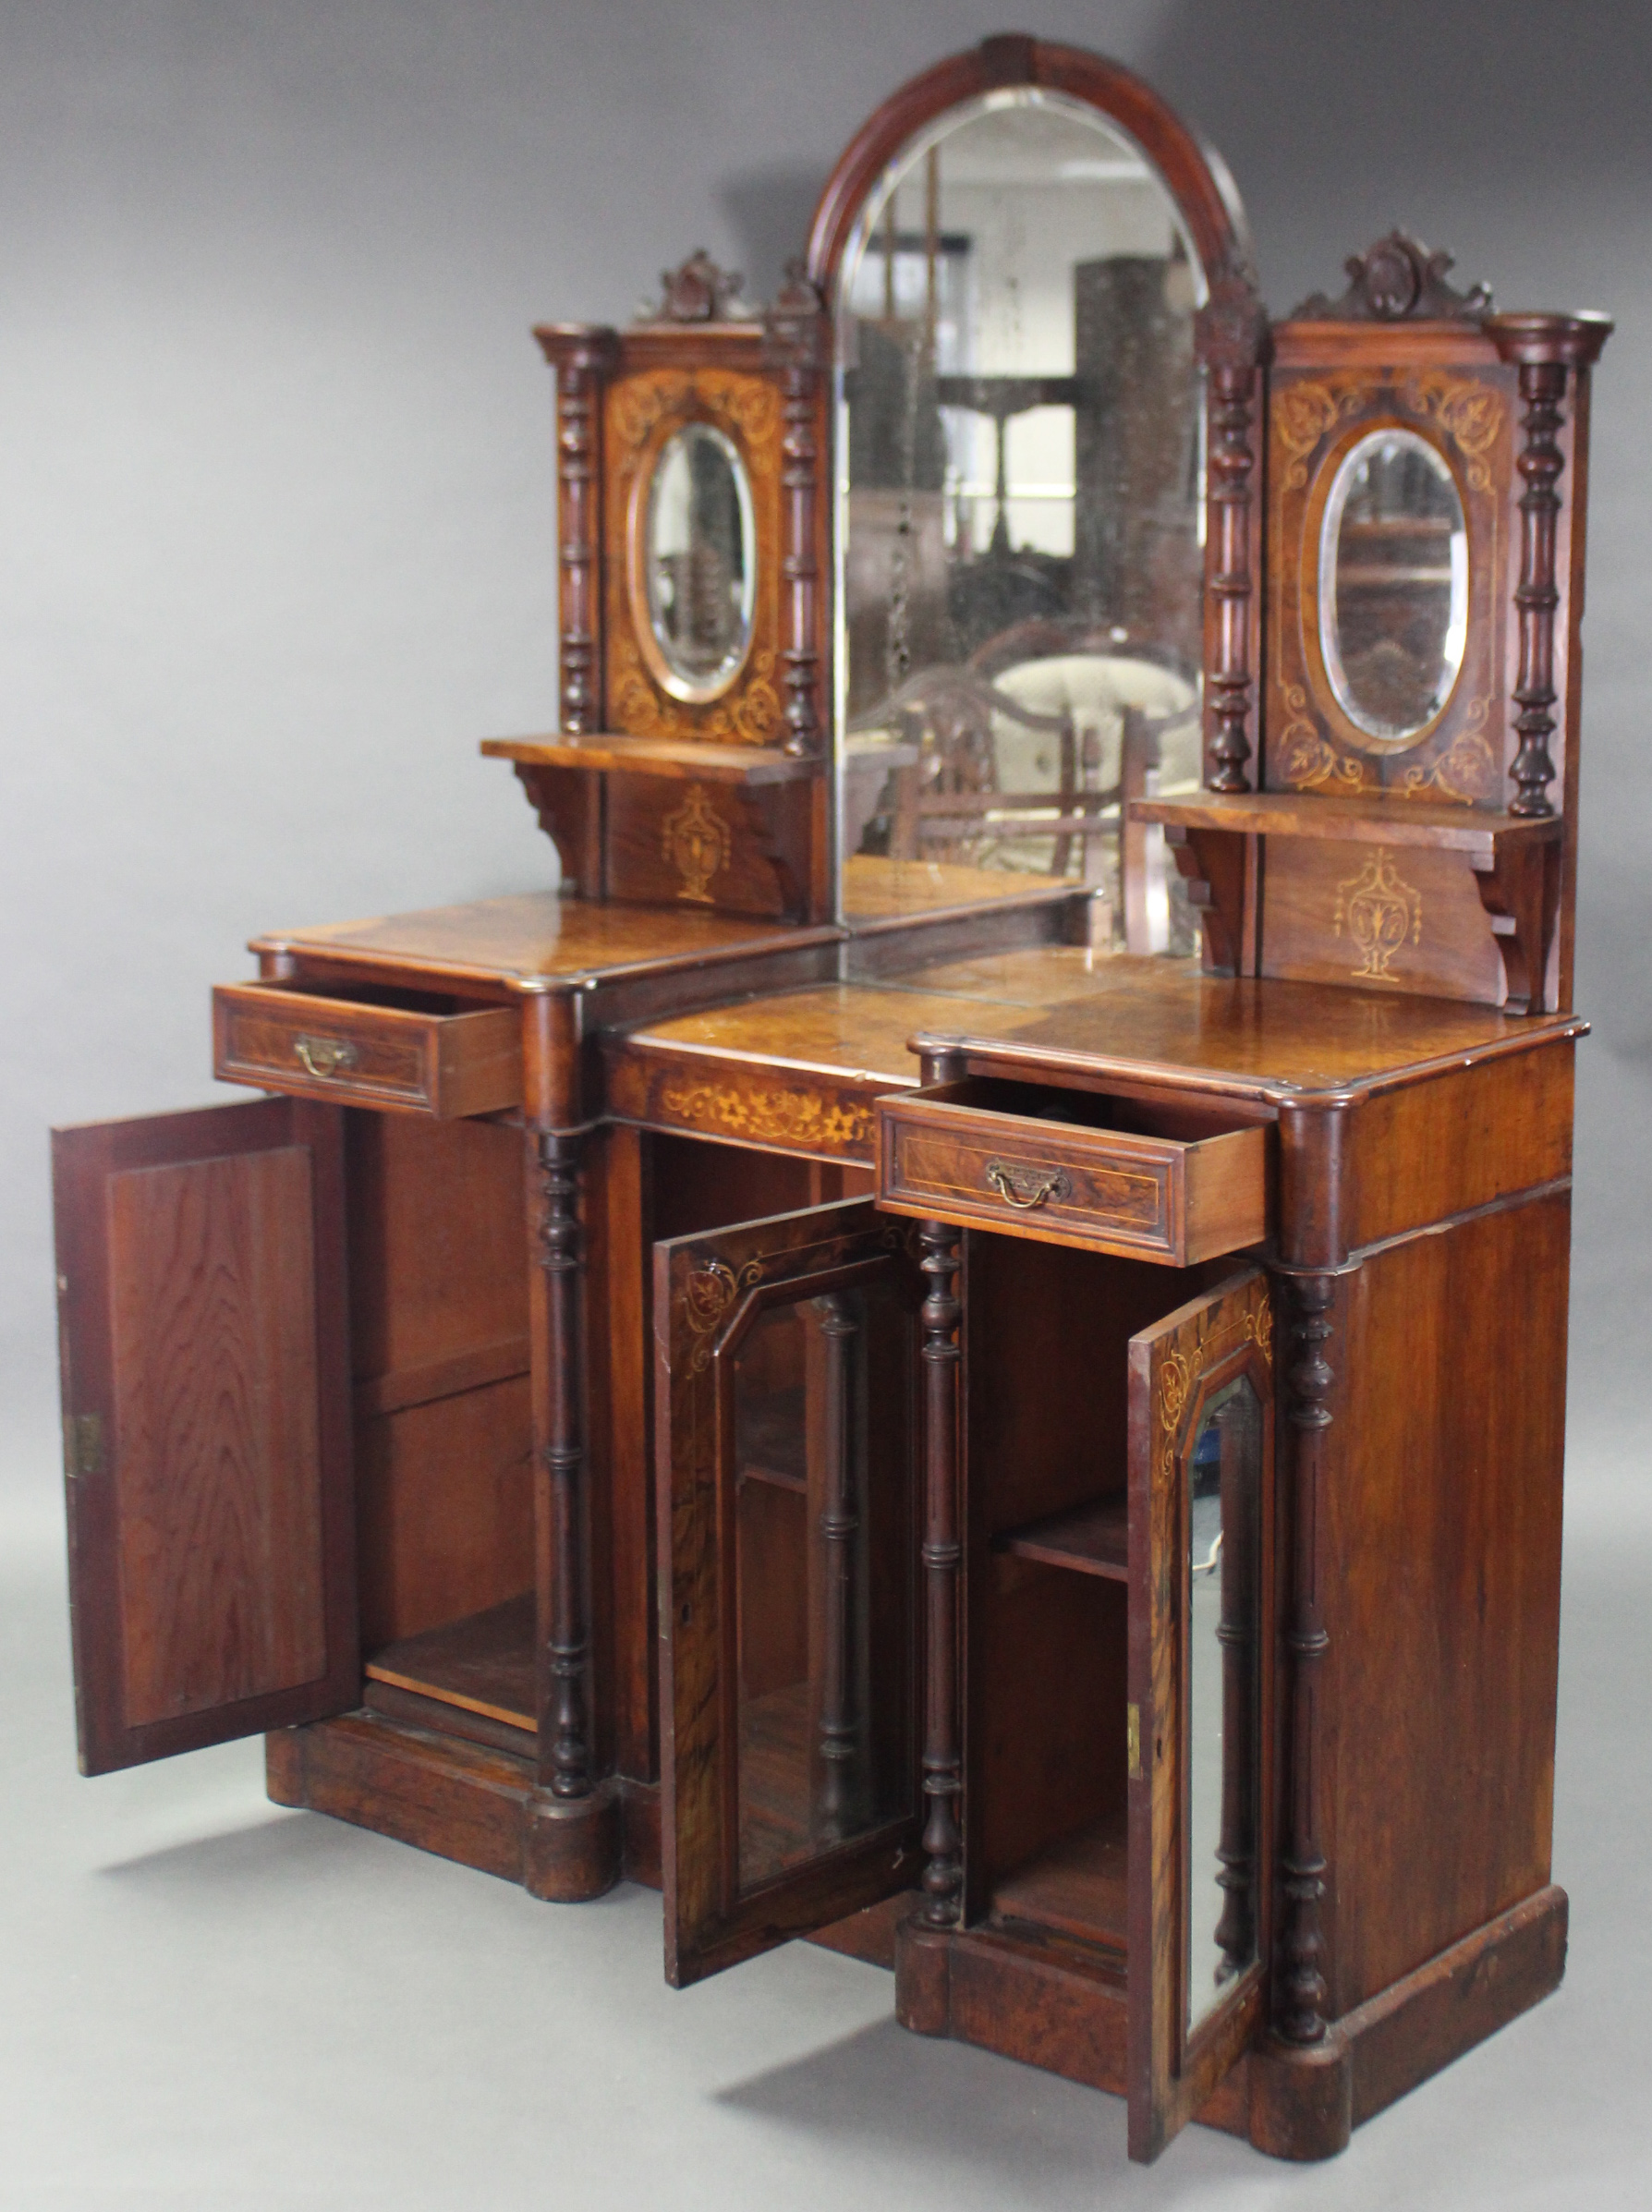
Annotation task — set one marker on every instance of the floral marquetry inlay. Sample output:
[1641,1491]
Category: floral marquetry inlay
[1212,1335]
[643,412]
[1380,912]
[772,1116]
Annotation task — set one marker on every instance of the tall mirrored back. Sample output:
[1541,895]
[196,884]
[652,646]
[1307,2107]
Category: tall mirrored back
[1018,508]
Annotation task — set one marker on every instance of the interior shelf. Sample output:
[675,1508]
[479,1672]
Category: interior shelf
[1077,1887]
[771,1439]
[702,763]
[1092,1539]
[484,1664]
[1391,820]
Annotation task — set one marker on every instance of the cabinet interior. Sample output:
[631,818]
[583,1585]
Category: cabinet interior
[1046,1345]
[444,1433]
[443,1427]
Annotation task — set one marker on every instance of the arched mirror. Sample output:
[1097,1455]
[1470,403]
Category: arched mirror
[1019,495]
[694,563]
[1393,586]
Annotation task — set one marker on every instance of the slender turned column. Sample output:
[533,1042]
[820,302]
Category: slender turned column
[1236,1929]
[794,339]
[840,1528]
[1542,386]
[1299,2007]
[943,1554]
[582,356]
[566,1763]
[1232,342]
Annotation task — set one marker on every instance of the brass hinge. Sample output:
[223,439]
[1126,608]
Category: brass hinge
[83,1444]
[1132,1741]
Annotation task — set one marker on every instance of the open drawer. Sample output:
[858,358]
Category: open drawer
[1167,1181]
[378,1048]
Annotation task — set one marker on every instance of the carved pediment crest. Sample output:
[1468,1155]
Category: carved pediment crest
[1398,280]
[700,292]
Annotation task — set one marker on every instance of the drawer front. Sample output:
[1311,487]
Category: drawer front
[447,1065]
[1146,1196]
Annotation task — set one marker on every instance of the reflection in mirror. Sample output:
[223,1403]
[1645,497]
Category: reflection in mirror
[1019,504]
[1224,1508]
[698,560]
[1393,585]
[822,1519]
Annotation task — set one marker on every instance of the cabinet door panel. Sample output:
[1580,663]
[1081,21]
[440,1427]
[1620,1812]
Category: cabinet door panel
[207,1446]
[786,1399]
[1201,1435]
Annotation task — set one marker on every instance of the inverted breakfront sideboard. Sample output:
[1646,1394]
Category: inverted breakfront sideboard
[958,1346]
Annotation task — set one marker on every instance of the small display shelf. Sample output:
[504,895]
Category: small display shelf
[1515,860]
[1474,831]
[1090,1538]
[689,762]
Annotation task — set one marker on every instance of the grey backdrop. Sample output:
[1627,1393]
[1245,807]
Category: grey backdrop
[276,548]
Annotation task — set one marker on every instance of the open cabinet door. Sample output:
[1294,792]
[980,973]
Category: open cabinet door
[1201,1439]
[786,1399]
[202,1327]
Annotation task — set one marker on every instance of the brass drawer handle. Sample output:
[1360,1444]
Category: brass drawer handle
[325,1056]
[1001,1178]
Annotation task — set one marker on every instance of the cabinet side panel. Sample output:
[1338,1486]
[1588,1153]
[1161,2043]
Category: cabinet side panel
[1461,1140]
[1442,1566]
[218,1480]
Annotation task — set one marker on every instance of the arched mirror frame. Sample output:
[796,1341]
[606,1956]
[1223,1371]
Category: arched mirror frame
[1230,328]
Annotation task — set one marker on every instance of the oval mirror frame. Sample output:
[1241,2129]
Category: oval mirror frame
[1418,680]
[653,588]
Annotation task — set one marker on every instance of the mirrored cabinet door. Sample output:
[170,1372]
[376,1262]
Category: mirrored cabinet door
[785,1382]
[1202,1436]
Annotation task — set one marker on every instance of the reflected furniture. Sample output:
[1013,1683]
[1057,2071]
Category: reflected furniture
[791,1370]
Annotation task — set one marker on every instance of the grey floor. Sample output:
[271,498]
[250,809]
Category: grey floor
[212,2004]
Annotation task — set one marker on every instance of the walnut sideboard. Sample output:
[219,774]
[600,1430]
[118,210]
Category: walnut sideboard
[836,1364]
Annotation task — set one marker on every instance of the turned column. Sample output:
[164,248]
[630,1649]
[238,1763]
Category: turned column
[943,1556]
[581,355]
[794,340]
[840,1532]
[1236,1635]
[565,1733]
[1232,340]
[1300,2000]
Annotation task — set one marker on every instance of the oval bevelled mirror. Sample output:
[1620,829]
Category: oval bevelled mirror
[1393,586]
[697,556]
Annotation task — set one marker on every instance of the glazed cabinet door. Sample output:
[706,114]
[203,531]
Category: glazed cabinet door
[786,1399]
[205,1372]
[1201,1442]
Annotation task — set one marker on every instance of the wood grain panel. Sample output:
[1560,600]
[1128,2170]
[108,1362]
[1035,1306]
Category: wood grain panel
[211,1512]
[741,851]
[1440,1557]
[446,1509]
[218,1473]
[1446,948]
[437,1271]
[1459,1141]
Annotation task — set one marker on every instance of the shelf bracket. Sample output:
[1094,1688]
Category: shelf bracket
[1519,885]
[1213,866]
